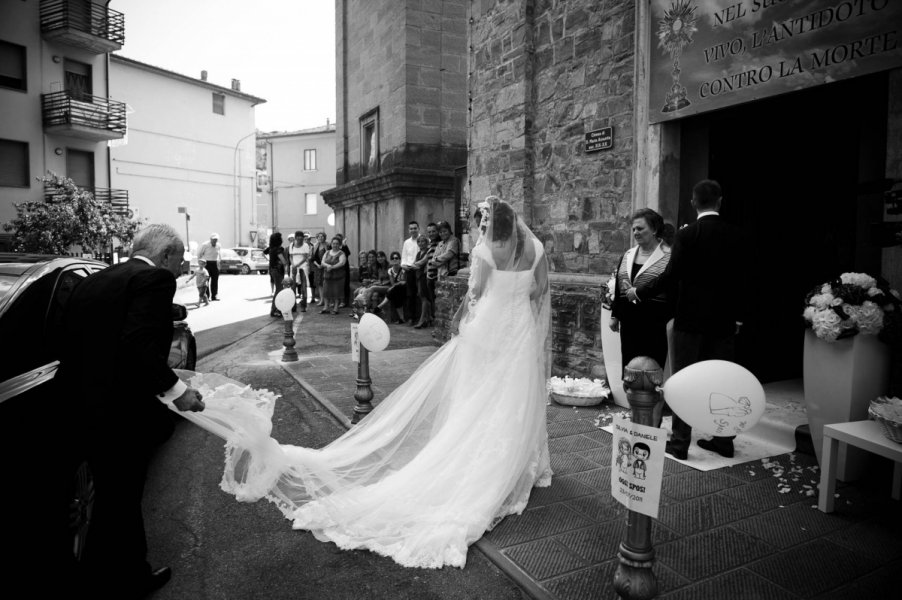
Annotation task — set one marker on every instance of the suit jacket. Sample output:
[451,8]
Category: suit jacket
[116,337]
[651,270]
[706,275]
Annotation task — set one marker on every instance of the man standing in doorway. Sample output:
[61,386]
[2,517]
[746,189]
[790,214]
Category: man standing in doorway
[409,251]
[705,273]
[209,251]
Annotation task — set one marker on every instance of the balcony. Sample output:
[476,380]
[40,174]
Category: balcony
[82,116]
[92,27]
[118,199]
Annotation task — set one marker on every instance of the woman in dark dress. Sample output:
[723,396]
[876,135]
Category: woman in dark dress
[278,262]
[317,260]
[334,276]
[642,325]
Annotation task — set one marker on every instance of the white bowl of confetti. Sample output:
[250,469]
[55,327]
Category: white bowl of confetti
[570,391]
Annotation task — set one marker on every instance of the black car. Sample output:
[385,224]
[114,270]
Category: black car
[48,489]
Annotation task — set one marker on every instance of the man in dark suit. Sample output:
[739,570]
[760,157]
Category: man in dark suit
[705,277]
[124,314]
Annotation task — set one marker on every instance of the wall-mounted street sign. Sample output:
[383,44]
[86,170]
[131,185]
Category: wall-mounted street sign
[710,54]
[600,139]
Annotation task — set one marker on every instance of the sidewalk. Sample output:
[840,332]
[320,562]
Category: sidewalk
[748,531]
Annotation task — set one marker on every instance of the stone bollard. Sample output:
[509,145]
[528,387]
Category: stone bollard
[364,394]
[634,578]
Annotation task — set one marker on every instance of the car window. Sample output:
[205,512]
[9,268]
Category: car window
[6,283]
[240,252]
[228,254]
[67,281]
[258,255]
[23,323]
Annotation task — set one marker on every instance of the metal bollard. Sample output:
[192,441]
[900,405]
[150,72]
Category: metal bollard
[364,394]
[285,301]
[634,578]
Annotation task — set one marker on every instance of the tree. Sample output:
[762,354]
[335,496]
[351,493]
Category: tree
[68,217]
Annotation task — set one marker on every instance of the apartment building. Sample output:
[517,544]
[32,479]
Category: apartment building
[294,168]
[188,158]
[56,111]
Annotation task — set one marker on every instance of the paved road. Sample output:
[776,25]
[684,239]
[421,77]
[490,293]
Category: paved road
[222,549]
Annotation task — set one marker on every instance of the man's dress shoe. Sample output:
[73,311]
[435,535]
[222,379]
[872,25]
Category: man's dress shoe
[157,579]
[712,446]
[676,452]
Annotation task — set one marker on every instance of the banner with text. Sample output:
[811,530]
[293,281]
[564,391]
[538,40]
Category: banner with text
[637,467]
[710,54]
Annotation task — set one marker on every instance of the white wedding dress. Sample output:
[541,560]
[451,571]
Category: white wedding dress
[438,462]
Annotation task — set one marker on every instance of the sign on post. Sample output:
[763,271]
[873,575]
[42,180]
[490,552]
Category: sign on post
[355,342]
[637,465]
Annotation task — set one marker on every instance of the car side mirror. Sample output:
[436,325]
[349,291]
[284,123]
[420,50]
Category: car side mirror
[179,312]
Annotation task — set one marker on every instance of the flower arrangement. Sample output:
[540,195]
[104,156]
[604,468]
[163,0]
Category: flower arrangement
[607,291]
[851,304]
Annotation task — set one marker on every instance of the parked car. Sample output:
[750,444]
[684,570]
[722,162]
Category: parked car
[252,260]
[229,261]
[40,438]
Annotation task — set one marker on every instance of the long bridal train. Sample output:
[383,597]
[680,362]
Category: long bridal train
[417,480]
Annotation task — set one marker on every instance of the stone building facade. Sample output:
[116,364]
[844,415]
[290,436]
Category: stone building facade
[543,77]
[401,130]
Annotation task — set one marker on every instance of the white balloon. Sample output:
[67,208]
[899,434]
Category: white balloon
[716,397]
[373,332]
[285,300]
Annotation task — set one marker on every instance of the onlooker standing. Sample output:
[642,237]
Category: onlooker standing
[209,251]
[278,269]
[317,259]
[299,254]
[408,257]
[706,267]
[425,285]
[642,325]
[308,268]
[447,252]
[124,312]
[335,276]
[346,301]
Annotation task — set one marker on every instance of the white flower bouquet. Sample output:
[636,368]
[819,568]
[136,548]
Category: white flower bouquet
[578,392]
[851,304]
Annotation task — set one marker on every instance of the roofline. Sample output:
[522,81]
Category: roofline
[254,100]
[330,128]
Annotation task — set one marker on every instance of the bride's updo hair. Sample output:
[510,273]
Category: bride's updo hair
[504,222]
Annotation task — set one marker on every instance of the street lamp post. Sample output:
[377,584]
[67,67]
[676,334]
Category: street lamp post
[634,578]
[236,172]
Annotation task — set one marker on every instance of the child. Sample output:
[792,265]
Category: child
[202,278]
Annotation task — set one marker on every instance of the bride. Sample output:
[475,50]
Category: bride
[450,452]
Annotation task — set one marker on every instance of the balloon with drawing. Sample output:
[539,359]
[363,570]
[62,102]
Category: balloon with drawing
[716,397]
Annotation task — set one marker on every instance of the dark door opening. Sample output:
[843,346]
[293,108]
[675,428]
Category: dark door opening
[798,174]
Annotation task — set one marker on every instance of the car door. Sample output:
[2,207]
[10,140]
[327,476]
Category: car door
[40,429]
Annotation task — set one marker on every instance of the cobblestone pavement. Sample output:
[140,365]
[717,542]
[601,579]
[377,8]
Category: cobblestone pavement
[748,531]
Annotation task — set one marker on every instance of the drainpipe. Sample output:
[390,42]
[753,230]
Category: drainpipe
[236,172]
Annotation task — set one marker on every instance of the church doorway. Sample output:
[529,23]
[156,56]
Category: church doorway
[803,176]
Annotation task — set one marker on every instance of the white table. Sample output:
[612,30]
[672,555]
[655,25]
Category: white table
[867,435]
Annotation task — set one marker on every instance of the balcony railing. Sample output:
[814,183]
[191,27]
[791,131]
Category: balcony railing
[117,199]
[86,117]
[86,25]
